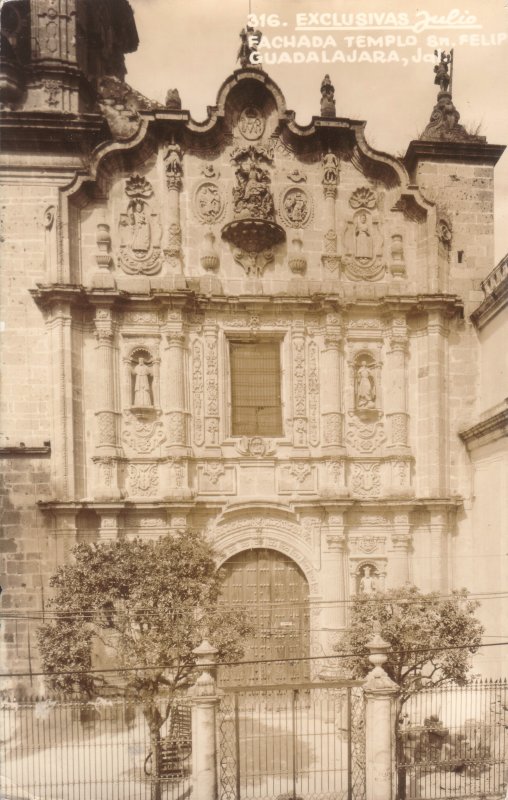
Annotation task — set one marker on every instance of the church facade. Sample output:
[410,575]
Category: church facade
[243,325]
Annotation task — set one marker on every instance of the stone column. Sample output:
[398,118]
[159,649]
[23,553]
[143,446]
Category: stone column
[439,524]
[331,390]
[333,571]
[107,445]
[331,169]
[436,406]
[300,420]
[211,386]
[62,461]
[399,557]
[173,233]
[380,716]
[396,394]
[204,739]
[174,390]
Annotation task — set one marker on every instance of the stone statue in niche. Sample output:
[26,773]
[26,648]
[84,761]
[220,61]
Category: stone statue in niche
[139,230]
[368,582]
[142,395]
[363,237]
[365,386]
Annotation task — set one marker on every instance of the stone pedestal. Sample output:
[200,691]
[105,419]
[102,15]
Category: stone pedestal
[204,738]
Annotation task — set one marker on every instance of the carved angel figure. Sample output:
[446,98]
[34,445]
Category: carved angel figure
[330,168]
[252,194]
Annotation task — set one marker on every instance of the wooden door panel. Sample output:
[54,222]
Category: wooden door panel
[275,593]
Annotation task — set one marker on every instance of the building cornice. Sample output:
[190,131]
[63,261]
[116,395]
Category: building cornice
[492,426]
[495,288]
[24,451]
[459,152]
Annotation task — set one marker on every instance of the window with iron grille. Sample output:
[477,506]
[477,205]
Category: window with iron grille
[255,389]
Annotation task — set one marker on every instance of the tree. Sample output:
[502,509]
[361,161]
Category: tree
[432,638]
[147,604]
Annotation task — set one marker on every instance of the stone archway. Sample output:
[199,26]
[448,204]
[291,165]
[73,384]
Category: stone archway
[275,592]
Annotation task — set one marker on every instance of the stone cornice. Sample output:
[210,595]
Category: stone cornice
[463,152]
[495,288]
[493,426]
[23,451]
[320,296]
[62,133]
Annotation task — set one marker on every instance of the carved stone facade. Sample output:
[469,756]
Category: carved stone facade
[178,240]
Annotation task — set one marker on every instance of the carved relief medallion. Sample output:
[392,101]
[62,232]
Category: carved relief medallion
[363,241]
[366,479]
[295,207]
[209,205]
[139,230]
[251,123]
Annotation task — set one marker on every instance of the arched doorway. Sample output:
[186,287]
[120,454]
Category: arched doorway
[275,592]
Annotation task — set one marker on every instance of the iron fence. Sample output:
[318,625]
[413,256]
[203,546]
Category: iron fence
[62,749]
[451,742]
[292,742]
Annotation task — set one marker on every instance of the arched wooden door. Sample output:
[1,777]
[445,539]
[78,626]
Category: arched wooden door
[275,592]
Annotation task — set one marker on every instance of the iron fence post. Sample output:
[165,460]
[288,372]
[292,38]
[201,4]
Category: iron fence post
[204,738]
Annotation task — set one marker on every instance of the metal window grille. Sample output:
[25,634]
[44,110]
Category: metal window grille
[255,389]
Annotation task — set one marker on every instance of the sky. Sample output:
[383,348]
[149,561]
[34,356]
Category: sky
[192,45]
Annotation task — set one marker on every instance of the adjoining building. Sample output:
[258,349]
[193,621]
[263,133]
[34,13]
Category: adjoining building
[242,325]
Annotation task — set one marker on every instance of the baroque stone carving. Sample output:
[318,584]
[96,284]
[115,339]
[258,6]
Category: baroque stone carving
[363,242]
[368,581]
[397,265]
[296,176]
[444,120]
[366,479]
[363,197]
[364,437]
[209,205]
[120,105]
[365,385]
[251,123]
[139,230]
[198,393]
[173,166]
[252,196]
[106,425]
[209,256]
[255,446]
[213,470]
[332,428]
[253,228]
[299,470]
[142,394]
[297,261]
[141,435]
[173,100]
[143,479]
[399,429]
[327,98]
[331,168]
[253,263]
[295,207]
[313,391]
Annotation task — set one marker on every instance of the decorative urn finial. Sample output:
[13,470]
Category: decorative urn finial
[327,98]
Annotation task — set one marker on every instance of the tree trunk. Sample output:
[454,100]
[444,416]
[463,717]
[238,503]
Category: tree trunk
[155,778]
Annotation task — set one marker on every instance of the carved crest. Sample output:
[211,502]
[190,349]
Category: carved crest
[139,230]
[251,123]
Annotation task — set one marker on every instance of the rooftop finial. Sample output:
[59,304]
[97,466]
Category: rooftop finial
[443,77]
[250,40]
[327,98]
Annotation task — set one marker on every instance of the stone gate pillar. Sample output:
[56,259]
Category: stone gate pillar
[380,695]
[204,738]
